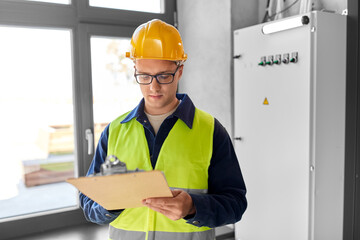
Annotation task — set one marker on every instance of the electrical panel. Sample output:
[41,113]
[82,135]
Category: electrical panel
[289,107]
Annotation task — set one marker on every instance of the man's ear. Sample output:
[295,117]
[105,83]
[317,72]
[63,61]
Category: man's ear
[180,71]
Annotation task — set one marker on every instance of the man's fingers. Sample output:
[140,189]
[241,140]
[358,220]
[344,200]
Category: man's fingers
[168,212]
[157,209]
[160,202]
[174,207]
[156,201]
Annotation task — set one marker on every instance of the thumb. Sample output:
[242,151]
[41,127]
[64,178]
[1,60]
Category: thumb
[176,192]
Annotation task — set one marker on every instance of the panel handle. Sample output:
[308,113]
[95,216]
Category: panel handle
[90,139]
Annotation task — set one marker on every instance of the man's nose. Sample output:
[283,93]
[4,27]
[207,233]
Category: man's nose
[155,85]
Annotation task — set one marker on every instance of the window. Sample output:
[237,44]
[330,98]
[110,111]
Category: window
[154,6]
[36,105]
[62,74]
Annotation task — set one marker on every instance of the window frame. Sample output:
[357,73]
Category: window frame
[84,22]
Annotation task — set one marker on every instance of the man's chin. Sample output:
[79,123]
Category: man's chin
[154,104]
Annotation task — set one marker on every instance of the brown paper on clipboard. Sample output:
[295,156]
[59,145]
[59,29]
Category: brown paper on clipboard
[121,191]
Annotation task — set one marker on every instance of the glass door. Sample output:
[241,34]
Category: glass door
[37,121]
[115,90]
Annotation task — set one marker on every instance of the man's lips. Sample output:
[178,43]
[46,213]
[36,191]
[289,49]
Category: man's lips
[155,96]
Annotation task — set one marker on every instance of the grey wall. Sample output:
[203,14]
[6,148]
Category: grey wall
[244,13]
[329,5]
[206,27]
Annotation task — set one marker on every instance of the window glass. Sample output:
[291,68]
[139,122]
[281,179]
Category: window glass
[153,6]
[115,90]
[52,1]
[36,123]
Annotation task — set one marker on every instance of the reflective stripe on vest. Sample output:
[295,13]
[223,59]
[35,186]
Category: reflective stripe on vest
[133,235]
[194,191]
[184,158]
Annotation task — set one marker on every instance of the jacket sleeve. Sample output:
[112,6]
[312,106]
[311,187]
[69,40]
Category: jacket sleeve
[225,202]
[93,211]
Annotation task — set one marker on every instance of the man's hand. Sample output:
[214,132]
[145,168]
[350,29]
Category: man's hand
[176,207]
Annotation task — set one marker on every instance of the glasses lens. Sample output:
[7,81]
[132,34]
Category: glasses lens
[143,78]
[165,78]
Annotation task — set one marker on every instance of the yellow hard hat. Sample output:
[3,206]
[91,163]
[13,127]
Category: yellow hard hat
[156,40]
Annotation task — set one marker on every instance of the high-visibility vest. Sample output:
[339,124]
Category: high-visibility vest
[184,158]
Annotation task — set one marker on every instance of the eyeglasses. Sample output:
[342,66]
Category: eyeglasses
[162,78]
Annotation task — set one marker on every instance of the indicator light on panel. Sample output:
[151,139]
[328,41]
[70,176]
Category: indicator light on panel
[270,60]
[294,57]
[277,59]
[262,61]
[286,58]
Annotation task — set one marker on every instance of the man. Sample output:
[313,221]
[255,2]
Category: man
[166,132]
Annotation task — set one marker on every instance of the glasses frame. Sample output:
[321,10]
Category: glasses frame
[156,77]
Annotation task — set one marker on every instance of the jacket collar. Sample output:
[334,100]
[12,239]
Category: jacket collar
[185,111]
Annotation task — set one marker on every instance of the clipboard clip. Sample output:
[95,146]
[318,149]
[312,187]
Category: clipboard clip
[113,165]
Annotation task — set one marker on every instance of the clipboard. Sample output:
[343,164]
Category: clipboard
[126,190]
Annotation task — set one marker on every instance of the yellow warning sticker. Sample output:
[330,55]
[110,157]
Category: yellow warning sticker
[266,102]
